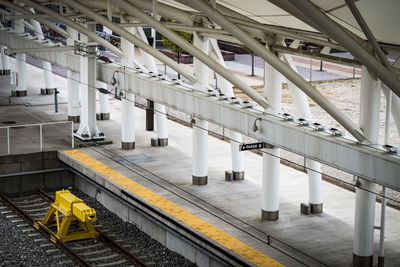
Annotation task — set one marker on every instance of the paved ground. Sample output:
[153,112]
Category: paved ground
[327,237]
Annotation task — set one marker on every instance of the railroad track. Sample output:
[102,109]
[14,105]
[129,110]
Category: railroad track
[106,250]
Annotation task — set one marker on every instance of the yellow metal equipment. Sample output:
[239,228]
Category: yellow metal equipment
[74,212]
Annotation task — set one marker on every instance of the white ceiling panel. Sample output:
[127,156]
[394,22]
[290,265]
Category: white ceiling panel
[382,16]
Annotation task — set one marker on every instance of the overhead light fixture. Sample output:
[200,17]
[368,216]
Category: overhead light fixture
[222,96]
[303,122]
[212,92]
[176,81]
[247,104]
[287,117]
[390,149]
[105,59]
[318,126]
[234,100]
[336,132]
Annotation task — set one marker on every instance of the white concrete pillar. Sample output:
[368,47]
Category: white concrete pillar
[160,111]
[5,61]
[128,99]
[363,244]
[74,104]
[48,74]
[236,138]
[88,129]
[395,107]
[200,127]
[271,159]
[128,121]
[313,168]
[48,78]
[104,113]
[21,63]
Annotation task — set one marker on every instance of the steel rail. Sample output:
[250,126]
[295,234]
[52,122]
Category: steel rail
[165,222]
[121,250]
[117,247]
[74,256]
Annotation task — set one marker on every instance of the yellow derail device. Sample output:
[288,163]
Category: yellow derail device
[68,210]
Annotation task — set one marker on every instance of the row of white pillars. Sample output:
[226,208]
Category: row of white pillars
[200,127]
[363,246]
[74,105]
[128,99]
[104,111]
[271,159]
[21,89]
[160,111]
[5,61]
[313,168]
[236,138]
[88,128]
[48,75]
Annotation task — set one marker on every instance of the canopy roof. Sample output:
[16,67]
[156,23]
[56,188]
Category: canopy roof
[381,16]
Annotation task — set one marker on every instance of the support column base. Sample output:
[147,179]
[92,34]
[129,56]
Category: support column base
[128,145]
[75,119]
[162,141]
[228,176]
[47,91]
[316,208]
[199,180]
[362,261]
[5,72]
[103,116]
[269,215]
[19,93]
[238,175]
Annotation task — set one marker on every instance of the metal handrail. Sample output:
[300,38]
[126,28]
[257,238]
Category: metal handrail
[40,132]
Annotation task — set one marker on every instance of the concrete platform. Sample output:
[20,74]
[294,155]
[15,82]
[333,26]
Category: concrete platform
[233,206]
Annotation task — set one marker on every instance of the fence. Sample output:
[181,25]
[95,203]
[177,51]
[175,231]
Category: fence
[21,139]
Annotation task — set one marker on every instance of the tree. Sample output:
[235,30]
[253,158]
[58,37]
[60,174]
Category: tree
[178,51]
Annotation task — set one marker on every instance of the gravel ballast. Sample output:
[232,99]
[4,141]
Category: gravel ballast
[141,243]
[17,248]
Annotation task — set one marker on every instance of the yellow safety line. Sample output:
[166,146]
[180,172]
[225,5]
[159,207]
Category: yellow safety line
[183,215]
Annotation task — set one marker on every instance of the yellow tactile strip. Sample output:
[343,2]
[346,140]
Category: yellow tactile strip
[183,215]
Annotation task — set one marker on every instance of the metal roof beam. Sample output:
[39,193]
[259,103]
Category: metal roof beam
[331,28]
[41,20]
[68,22]
[369,162]
[371,39]
[316,55]
[131,38]
[282,67]
[207,60]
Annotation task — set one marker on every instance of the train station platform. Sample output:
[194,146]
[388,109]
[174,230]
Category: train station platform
[235,206]
[231,207]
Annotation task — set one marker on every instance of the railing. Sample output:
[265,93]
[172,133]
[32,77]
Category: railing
[30,138]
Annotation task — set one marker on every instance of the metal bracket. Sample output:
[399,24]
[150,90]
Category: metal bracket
[85,49]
